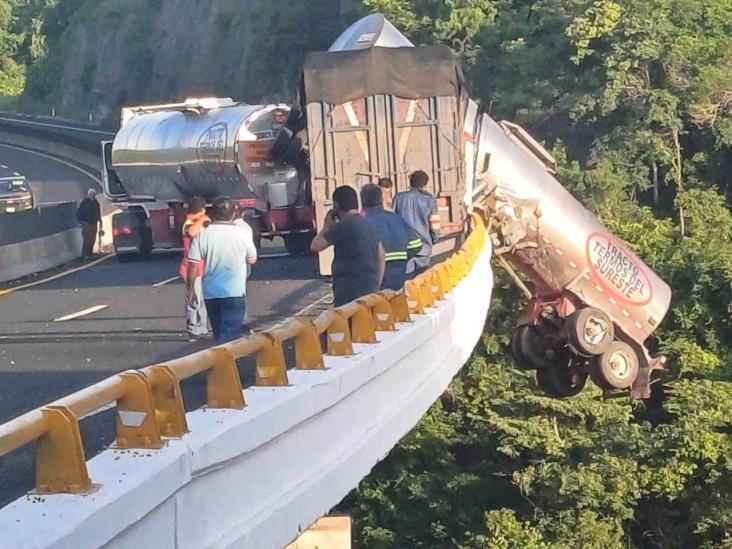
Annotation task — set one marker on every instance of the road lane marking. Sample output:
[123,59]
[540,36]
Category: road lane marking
[166,281]
[304,310]
[56,276]
[16,173]
[78,314]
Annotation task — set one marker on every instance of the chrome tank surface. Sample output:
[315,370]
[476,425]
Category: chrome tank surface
[171,155]
[368,32]
[559,244]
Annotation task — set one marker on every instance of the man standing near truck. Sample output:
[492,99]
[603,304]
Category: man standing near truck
[358,262]
[399,240]
[225,249]
[89,215]
[419,209]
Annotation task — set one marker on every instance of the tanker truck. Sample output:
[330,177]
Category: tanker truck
[164,154]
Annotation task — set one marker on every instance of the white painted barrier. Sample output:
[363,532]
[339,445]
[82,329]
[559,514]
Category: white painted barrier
[257,477]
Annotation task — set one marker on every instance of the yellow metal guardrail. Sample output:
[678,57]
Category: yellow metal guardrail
[153,397]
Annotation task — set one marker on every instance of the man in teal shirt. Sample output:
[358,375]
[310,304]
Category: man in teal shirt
[225,249]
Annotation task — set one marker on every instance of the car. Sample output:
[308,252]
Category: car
[15,195]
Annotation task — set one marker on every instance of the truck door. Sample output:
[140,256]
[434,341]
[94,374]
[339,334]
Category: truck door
[427,138]
[113,188]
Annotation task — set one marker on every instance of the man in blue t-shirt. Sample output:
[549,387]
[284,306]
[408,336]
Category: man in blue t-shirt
[225,249]
[358,256]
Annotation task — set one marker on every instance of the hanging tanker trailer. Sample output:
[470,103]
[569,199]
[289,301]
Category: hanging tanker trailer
[592,302]
[165,154]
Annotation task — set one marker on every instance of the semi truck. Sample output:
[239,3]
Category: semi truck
[376,106]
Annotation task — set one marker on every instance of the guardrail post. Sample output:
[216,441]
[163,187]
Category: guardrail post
[137,423]
[414,300]
[308,351]
[383,315]
[435,281]
[223,385]
[425,291]
[363,327]
[339,335]
[171,413]
[271,368]
[60,461]
[400,307]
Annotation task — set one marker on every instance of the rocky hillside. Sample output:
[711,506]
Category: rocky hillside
[117,52]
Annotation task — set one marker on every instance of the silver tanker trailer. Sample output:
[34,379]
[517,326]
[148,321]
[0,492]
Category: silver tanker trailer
[592,302]
[164,154]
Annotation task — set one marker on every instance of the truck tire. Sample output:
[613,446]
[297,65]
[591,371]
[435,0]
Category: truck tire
[560,381]
[616,368]
[298,244]
[590,331]
[528,349]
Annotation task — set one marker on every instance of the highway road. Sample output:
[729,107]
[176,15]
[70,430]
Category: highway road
[51,180]
[140,321]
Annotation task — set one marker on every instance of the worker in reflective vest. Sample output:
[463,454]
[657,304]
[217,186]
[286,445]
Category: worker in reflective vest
[419,209]
[399,240]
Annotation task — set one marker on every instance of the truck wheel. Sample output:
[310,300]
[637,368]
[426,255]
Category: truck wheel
[529,350]
[560,381]
[298,244]
[590,331]
[616,368]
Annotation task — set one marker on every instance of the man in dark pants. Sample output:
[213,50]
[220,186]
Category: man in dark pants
[89,216]
[358,263]
[225,249]
[419,209]
[399,240]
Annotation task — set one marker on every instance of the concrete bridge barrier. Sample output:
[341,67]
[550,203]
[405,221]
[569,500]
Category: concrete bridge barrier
[254,471]
[36,240]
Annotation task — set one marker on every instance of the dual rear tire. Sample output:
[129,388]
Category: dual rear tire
[590,350]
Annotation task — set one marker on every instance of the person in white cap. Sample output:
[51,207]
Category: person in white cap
[89,216]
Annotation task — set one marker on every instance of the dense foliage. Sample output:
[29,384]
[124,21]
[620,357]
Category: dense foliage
[634,97]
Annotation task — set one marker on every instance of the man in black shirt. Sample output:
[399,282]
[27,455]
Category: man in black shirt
[358,264]
[89,215]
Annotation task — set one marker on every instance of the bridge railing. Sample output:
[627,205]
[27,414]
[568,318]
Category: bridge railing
[149,402]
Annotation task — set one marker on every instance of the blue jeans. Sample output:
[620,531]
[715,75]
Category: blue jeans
[226,315]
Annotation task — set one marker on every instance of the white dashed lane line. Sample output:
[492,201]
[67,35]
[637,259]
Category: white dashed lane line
[166,281]
[78,314]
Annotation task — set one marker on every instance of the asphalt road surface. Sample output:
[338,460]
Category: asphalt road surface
[51,181]
[139,322]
